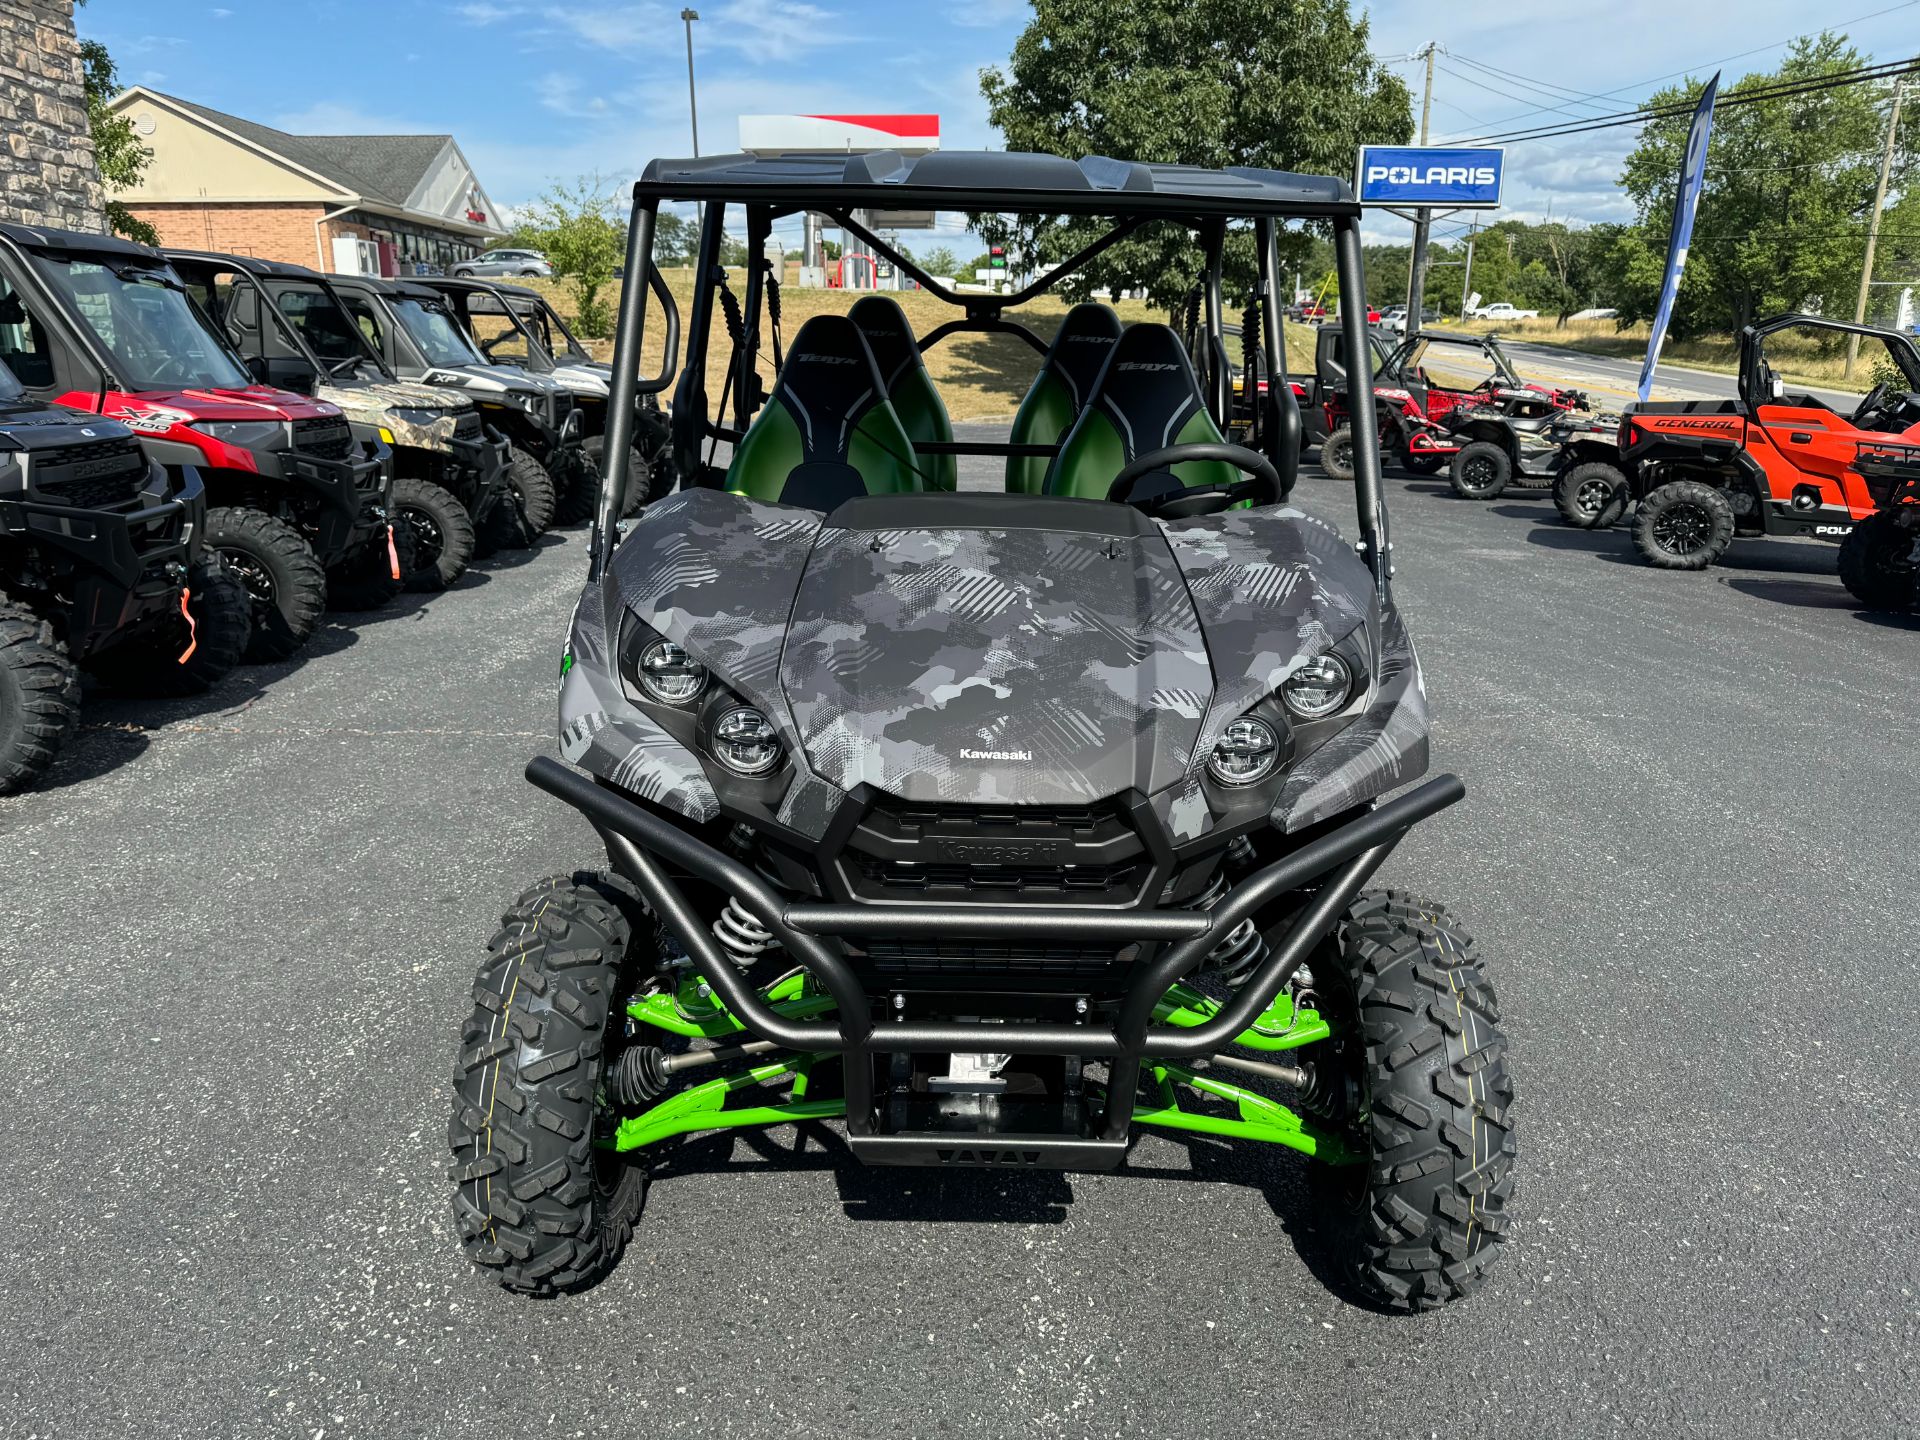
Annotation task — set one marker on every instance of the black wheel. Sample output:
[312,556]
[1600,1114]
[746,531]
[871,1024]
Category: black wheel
[1336,453]
[1422,464]
[522,514]
[150,663]
[539,1200]
[368,578]
[439,529]
[1880,560]
[280,573]
[1417,1072]
[577,474]
[639,475]
[1683,525]
[1481,471]
[39,696]
[1591,496]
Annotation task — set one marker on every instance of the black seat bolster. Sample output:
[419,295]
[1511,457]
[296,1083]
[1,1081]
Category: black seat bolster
[822,484]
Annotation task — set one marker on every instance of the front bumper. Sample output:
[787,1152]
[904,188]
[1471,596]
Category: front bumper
[1327,872]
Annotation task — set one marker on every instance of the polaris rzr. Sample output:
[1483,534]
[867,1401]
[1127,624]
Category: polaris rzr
[418,338]
[1429,376]
[105,325]
[1772,462]
[449,473]
[996,825]
[512,325]
[100,566]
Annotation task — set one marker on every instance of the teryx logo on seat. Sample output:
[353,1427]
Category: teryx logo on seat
[1156,365]
[821,360]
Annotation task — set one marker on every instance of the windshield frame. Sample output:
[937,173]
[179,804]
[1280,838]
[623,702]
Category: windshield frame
[309,284]
[55,271]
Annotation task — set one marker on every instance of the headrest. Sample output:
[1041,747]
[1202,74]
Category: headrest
[889,335]
[828,376]
[1148,388]
[1085,339]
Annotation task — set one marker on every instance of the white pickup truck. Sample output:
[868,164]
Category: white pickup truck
[1501,310]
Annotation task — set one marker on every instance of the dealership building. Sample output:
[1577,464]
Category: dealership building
[356,204]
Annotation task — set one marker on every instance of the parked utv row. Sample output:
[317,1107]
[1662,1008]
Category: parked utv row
[199,453]
[1693,476]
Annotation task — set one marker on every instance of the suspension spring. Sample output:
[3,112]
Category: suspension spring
[744,938]
[1243,950]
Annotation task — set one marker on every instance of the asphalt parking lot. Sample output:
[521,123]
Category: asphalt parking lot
[243,929]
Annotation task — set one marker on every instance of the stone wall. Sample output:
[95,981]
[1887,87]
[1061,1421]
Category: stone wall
[47,170]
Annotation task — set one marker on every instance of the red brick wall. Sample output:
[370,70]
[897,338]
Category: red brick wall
[271,231]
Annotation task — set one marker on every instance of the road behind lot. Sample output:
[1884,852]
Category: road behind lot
[244,928]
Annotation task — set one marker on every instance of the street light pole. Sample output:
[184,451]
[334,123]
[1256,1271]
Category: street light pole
[693,106]
[1417,262]
[1873,231]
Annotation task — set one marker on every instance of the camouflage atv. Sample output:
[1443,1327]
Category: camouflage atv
[450,472]
[994,827]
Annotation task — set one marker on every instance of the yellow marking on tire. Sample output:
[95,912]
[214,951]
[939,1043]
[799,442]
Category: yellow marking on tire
[506,1014]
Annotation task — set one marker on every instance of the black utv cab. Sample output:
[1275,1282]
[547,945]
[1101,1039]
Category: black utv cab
[1002,823]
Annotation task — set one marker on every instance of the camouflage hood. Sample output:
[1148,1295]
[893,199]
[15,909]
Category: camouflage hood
[977,649]
[423,417]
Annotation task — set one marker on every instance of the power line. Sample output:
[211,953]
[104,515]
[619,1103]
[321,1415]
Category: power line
[1788,89]
[1552,92]
[1506,94]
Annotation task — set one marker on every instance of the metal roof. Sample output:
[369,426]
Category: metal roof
[995,180]
[251,264]
[39,237]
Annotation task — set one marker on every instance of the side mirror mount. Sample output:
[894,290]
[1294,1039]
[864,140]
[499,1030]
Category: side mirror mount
[1776,388]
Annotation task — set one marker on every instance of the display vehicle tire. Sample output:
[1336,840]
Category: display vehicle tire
[1880,560]
[540,1201]
[1683,525]
[281,574]
[39,696]
[1481,471]
[1336,454]
[440,531]
[150,663]
[1591,496]
[1418,1072]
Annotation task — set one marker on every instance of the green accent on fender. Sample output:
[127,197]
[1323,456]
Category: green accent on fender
[1279,1027]
[704,1106]
[695,1012]
[1259,1118]
[566,664]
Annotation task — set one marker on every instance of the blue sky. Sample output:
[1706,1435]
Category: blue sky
[537,91]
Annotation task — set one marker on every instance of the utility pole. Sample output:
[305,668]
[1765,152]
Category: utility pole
[1417,271]
[693,106]
[1873,229]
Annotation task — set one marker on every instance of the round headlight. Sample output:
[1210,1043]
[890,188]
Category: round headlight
[1318,688]
[744,742]
[670,675]
[1247,753]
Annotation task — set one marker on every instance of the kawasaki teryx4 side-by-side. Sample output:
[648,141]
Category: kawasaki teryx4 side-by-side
[419,338]
[1775,461]
[449,473]
[999,825]
[513,325]
[102,567]
[294,500]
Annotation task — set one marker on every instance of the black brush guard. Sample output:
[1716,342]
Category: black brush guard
[637,840]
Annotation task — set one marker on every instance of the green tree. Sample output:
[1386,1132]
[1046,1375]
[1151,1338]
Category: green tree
[121,156]
[940,261]
[579,228]
[1782,220]
[1285,84]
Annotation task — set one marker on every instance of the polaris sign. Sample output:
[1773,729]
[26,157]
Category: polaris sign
[1433,177]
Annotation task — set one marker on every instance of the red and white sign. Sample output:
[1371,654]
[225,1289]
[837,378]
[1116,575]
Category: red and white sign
[829,134]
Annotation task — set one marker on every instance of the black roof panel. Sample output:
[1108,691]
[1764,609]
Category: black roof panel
[251,264]
[995,180]
[39,237]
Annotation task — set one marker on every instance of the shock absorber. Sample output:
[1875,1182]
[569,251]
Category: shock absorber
[744,938]
[1244,948]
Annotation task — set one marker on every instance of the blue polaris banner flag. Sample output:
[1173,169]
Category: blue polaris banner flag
[1431,176]
[1686,200]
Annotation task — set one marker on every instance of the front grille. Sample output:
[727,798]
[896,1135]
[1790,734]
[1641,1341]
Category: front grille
[104,475]
[995,853]
[327,437]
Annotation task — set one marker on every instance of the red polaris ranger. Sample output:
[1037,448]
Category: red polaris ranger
[106,326]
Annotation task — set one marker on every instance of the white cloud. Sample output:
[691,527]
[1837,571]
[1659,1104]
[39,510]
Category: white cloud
[220,14]
[564,95]
[481,12]
[627,27]
[330,117]
[774,30]
[987,14]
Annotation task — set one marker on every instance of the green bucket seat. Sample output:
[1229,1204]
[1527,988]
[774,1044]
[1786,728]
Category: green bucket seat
[909,388]
[1085,339]
[827,433]
[1145,399]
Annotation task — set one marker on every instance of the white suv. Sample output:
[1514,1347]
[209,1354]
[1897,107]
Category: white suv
[506,262]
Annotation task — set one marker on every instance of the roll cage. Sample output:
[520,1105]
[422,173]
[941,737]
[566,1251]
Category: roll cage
[206,266]
[1127,194]
[1756,375]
